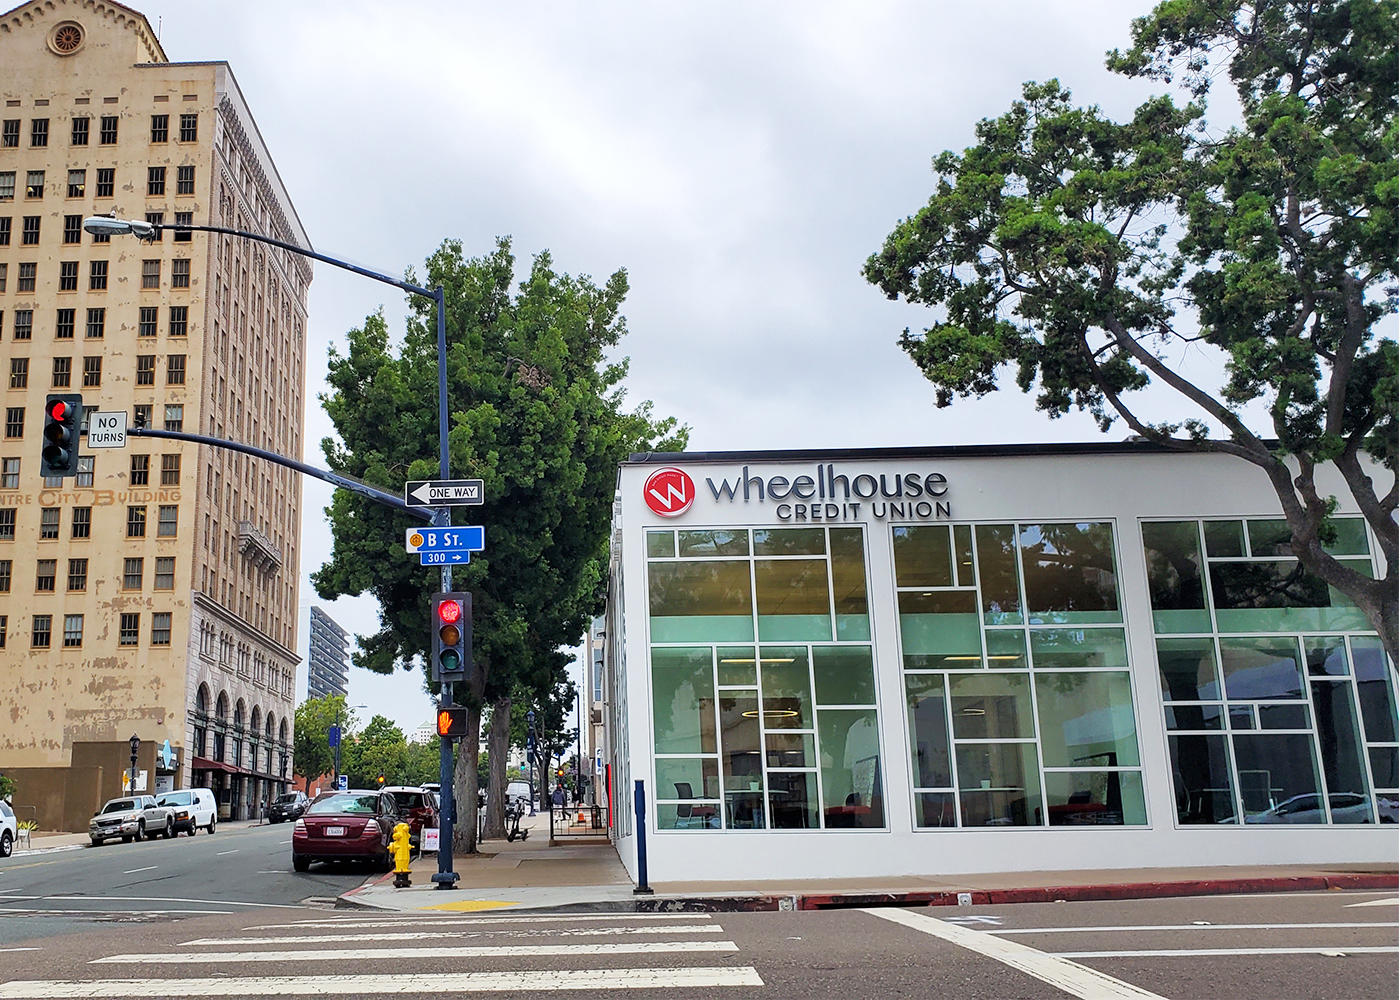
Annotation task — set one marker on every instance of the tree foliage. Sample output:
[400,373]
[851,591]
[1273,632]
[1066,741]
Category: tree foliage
[311,749]
[1088,254]
[537,413]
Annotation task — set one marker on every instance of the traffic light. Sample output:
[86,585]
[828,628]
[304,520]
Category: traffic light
[381,780]
[452,722]
[452,636]
[62,415]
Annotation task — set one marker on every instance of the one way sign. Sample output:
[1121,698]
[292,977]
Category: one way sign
[443,493]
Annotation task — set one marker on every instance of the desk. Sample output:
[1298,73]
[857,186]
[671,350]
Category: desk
[744,808]
[994,805]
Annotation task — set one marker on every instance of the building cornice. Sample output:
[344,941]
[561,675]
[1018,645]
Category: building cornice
[40,12]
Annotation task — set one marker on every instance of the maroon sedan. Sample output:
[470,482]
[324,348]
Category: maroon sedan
[346,826]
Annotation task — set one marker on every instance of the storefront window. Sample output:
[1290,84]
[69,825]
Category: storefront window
[1175,577]
[778,735]
[683,693]
[701,601]
[1278,727]
[985,737]
[794,603]
[1070,574]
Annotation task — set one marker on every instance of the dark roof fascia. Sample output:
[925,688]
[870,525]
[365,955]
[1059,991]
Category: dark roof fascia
[1047,449]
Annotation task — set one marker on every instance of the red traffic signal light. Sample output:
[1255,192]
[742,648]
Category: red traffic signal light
[62,415]
[452,722]
[452,636]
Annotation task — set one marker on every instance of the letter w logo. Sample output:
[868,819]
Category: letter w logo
[669,492]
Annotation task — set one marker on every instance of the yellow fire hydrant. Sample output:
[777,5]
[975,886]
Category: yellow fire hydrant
[400,848]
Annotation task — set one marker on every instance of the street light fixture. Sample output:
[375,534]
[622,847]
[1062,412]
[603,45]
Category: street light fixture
[110,225]
[340,720]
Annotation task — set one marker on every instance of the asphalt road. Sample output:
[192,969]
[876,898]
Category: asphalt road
[236,869]
[225,916]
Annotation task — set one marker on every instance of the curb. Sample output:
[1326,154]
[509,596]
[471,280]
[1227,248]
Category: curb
[975,897]
[1125,890]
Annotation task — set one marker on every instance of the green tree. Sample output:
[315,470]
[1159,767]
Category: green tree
[378,749]
[536,413]
[422,764]
[1093,255]
[311,750]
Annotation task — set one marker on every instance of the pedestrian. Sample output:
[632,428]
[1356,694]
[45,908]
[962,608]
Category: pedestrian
[558,796]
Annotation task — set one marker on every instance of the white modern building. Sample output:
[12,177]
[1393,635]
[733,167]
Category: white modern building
[916,661]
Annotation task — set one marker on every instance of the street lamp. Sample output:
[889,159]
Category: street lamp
[340,735]
[110,225]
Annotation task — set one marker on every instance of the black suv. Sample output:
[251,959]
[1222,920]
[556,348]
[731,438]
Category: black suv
[288,805]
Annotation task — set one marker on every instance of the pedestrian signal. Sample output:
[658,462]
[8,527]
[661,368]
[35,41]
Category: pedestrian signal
[452,722]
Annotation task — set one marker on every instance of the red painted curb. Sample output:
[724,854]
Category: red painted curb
[1122,890]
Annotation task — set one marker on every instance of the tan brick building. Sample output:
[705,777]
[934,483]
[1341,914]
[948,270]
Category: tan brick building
[155,594]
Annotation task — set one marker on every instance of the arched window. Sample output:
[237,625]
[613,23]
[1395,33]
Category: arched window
[201,720]
[220,725]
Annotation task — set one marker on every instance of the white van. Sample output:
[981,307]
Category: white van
[193,808]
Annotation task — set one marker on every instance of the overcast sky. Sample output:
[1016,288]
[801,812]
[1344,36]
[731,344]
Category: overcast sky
[740,160]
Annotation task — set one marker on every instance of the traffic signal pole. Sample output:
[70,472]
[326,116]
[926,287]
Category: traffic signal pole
[445,878]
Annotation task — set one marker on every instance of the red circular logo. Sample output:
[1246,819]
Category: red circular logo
[669,492]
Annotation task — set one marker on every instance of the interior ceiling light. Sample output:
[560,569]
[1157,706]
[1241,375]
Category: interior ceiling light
[772,713]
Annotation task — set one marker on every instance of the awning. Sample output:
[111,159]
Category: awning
[205,764]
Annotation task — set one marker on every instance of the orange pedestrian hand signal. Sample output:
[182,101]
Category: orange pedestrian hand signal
[452,722]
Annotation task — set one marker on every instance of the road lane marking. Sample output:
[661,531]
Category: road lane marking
[439,935]
[1185,927]
[76,912]
[133,871]
[1232,952]
[379,954]
[434,921]
[222,853]
[183,899]
[20,949]
[1074,979]
[1388,901]
[545,980]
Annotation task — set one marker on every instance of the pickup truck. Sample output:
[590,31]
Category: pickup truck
[131,817]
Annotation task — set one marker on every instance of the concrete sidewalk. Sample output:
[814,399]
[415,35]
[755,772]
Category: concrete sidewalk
[531,875]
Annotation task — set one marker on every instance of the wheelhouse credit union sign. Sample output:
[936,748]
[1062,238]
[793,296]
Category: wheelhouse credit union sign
[828,493]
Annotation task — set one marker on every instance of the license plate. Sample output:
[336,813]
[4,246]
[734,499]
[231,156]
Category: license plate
[335,831]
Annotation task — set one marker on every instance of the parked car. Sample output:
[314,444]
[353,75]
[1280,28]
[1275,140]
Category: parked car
[1347,807]
[131,818]
[345,826]
[9,829]
[192,808]
[418,807]
[287,806]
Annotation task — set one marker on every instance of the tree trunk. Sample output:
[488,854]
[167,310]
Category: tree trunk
[464,784]
[497,748]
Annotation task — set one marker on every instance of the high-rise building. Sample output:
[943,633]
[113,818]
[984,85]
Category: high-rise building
[154,594]
[328,670]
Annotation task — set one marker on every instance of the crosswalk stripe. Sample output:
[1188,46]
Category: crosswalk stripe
[1184,927]
[377,954]
[1074,979]
[440,935]
[1340,949]
[548,980]
[427,921]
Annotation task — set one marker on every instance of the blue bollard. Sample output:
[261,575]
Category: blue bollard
[639,802]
